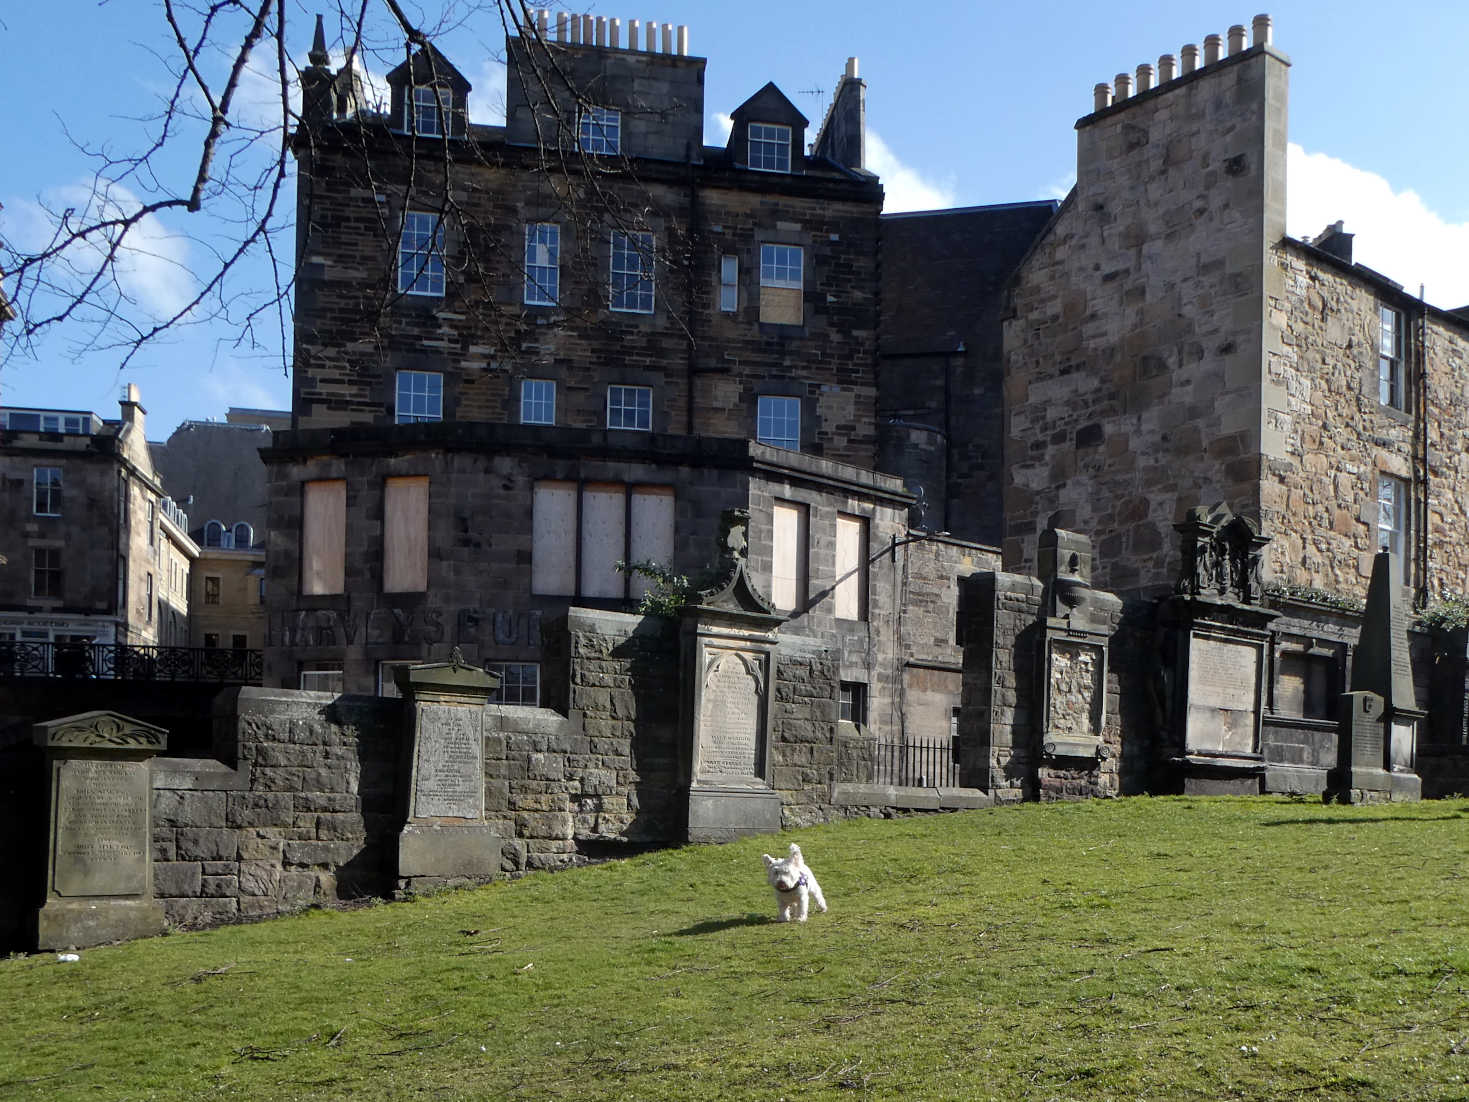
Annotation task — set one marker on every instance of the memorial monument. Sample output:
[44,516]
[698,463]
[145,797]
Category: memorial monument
[1377,732]
[728,660]
[1213,638]
[445,838]
[99,855]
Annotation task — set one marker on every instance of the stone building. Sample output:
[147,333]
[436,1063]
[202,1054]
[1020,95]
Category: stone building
[526,354]
[98,552]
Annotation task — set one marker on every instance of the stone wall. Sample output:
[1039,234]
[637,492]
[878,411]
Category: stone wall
[1000,709]
[1134,364]
[1319,492]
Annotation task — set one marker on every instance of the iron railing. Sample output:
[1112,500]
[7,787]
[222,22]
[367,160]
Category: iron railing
[115,660]
[917,763]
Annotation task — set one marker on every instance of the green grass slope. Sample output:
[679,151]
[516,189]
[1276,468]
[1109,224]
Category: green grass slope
[1147,948]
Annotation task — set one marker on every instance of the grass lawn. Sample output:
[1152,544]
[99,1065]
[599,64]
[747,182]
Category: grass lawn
[1144,948]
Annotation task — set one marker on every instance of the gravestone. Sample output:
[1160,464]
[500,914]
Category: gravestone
[1382,665]
[1361,751]
[1214,640]
[1078,626]
[99,855]
[445,838]
[728,647]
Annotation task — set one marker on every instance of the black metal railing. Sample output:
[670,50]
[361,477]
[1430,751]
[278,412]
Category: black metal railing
[115,660]
[917,763]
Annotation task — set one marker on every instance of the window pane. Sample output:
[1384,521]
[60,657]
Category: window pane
[600,130]
[630,407]
[778,422]
[520,682]
[780,266]
[631,275]
[47,500]
[542,264]
[421,255]
[537,402]
[770,147]
[729,284]
[420,396]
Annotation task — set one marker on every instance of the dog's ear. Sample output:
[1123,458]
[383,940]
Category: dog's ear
[795,852]
[769,860]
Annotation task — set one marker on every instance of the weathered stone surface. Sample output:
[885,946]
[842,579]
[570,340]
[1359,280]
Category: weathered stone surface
[208,844]
[176,878]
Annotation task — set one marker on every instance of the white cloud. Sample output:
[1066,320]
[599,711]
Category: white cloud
[232,383]
[487,98]
[1396,233]
[723,124]
[151,269]
[904,188]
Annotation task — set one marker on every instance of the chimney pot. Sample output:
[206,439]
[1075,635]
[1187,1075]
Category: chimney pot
[576,30]
[1213,48]
[1236,39]
[633,25]
[542,22]
[1190,57]
[1144,77]
[601,30]
[668,38]
[652,43]
[1261,29]
[560,26]
[1101,96]
[1123,84]
[614,33]
[587,29]
[852,67]
[1167,68]
[683,40]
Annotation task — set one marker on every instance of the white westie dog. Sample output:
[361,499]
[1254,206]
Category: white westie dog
[795,885]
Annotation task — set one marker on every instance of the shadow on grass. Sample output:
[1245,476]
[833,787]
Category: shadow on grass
[1363,819]
[714,925]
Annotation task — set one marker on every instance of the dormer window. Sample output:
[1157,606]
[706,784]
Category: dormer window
[426,112]
[770,147]
[599,130]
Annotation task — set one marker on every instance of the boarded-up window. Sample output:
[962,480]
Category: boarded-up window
[603,539]
[851,568]
[788,556]
[324,536]
[553,539]
[581,534]
[405,535]
[651,535]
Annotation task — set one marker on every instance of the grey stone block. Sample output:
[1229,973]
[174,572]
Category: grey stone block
[209,844]
[440,850]
[176,878]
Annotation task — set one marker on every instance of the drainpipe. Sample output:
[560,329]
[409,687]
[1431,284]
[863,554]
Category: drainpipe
[1425,587]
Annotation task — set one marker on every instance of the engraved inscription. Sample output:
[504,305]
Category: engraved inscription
[1367,749]
[449,768]
[729,720]
[1402,666]
[1076,697]
[101,828]
[1223,687]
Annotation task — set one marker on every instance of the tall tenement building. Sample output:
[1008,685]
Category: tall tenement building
[526,354]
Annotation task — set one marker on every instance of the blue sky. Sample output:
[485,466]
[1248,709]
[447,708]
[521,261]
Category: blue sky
[968,103]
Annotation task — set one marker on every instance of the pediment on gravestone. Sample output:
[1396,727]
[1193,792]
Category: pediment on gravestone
[1381,663]
[101,730]
[737,593]
[454,676]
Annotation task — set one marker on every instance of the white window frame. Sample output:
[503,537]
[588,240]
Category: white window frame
[630,408]
[310,679]
[426,109]
[852,702]
[48,488]
[599,130]
[537,401]
[542,264]
[422,400]
[1391,390]
[1394,517]
[519,683]
[631,283]
[729,283]
[770,147]
[782,266]
[248,532]
[217,535]
[778,421]
[421,255]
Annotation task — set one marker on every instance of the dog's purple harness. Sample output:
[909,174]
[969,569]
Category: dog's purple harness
[801,883]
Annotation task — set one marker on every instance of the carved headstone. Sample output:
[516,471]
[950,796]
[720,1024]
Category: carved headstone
[728,657]
[99,870]
[1359,776]
[446,838]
